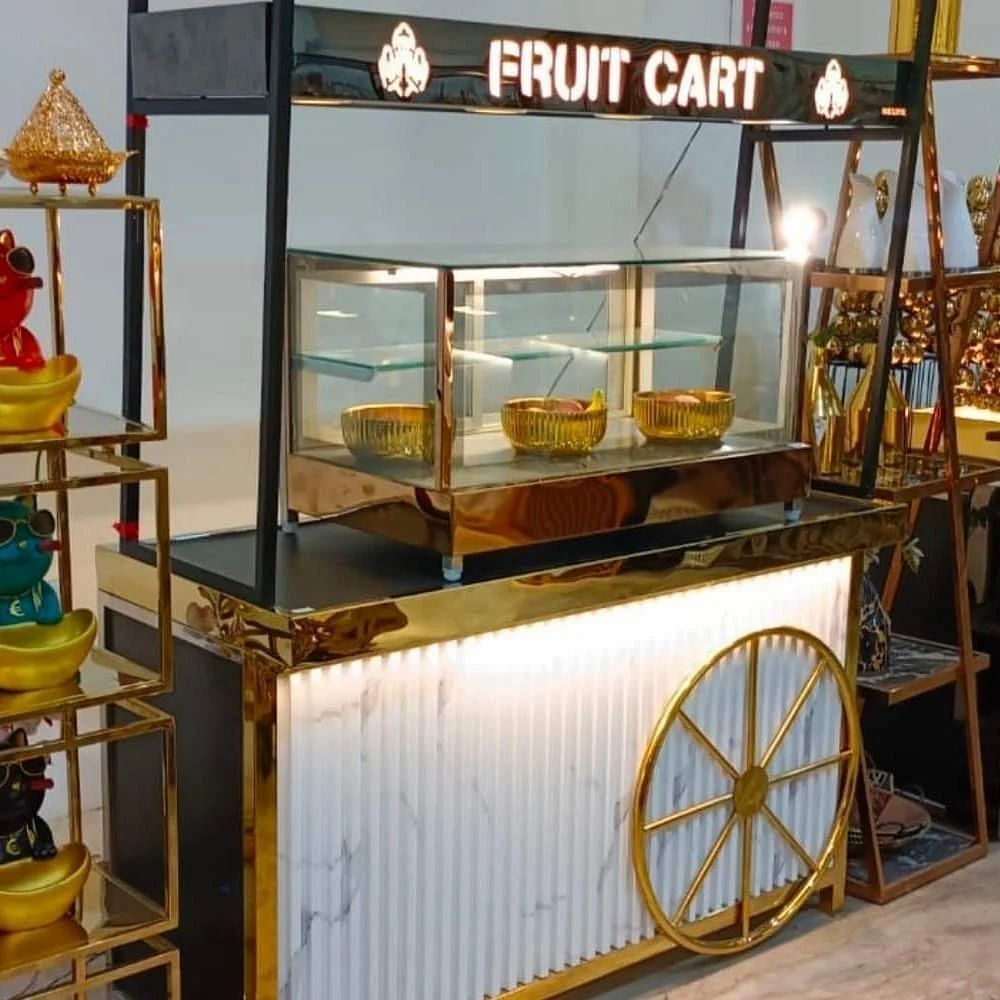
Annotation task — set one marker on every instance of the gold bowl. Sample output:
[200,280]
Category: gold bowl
[390,430]
[534,425]
[683,414]
[35,656]
[38,400]
[34,894]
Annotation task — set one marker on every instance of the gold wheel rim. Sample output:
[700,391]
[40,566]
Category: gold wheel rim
[747,802]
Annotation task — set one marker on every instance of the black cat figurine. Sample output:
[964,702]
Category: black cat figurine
[23,833]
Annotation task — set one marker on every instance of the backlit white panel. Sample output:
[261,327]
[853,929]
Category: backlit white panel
[454,820]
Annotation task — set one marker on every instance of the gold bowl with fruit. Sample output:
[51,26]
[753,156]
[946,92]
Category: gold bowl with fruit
[554,425]
[684,414]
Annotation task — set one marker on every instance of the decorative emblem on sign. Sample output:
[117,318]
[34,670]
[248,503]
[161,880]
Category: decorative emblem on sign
[403,67]
[833,93]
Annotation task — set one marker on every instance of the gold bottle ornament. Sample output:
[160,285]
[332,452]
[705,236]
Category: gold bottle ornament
[903,26]
[895,425]
[825,418]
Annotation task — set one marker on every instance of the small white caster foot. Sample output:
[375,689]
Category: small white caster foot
[793,512]
[451,569]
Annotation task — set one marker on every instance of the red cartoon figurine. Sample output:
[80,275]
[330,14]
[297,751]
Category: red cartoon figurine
[18,347]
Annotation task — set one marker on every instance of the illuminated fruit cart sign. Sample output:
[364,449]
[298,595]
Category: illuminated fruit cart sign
[404,62]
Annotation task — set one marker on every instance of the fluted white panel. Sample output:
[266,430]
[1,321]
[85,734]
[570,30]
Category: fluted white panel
[454,820]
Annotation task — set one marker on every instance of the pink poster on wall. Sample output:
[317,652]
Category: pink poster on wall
[779,31]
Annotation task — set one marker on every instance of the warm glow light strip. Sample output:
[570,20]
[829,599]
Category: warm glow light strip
[454,819]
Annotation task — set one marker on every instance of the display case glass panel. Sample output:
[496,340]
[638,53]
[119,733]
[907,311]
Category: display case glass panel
[440,370]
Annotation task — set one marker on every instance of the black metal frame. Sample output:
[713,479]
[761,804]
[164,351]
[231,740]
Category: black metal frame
[909,133]
[276,104]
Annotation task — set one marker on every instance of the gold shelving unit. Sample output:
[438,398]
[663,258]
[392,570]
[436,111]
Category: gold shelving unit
[932,471]
[928,473]
[82,951]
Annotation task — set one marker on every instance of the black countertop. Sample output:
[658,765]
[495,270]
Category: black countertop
[324,564]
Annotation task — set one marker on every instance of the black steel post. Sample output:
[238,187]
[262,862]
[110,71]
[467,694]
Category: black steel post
[741,214]
[132,294]
[897,243]
[279,123]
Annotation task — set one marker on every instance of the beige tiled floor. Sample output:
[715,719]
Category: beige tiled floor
[940,942]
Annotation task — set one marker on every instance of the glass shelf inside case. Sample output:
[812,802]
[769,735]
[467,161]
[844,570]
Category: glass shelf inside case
[513,367]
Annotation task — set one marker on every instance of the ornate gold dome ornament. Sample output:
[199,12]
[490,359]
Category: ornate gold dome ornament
[58,144]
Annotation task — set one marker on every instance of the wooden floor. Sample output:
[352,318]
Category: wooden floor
[940,942]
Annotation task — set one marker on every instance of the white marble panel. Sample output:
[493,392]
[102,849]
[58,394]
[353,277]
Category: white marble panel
[455,819]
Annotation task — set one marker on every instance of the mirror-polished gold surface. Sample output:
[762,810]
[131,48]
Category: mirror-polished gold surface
[334,632]
[660,483]
[44,656]
[747,803]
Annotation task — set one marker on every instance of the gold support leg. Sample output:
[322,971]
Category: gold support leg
[966,675]
[174,977]
[55,280]
[171,835]
[260,828]
[154,237]
[895,574]
[56,461]
[833,897]
[772,190]
[163,585]
[851,165]
[869,835]
[444,411]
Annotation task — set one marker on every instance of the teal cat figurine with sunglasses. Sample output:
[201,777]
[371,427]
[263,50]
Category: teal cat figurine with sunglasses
[26,548]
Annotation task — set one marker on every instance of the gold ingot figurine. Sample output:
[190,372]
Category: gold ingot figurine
[58,144]
[35,894]
[32,401]
[34,656]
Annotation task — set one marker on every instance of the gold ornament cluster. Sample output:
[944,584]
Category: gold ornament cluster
[978,382]
[858,315]
[58,143]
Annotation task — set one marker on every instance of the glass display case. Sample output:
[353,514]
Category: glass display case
[469,401]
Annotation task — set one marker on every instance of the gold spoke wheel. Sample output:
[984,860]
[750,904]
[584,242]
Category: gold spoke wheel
[745,804]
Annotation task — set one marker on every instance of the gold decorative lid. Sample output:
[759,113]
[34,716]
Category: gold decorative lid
[58,144]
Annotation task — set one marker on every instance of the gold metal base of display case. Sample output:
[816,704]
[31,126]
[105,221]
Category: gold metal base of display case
[698,482]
